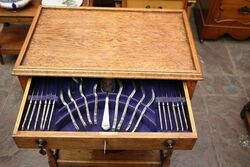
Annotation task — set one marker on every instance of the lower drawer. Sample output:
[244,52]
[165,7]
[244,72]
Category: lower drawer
[162,4]
[74,113]
[121,158]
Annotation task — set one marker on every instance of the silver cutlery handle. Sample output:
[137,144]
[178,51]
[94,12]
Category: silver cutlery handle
[46,115]
[38,113]
[72,118]
[179,113]
[184,115]
[105,119]
[164,114]
[117,105]
[169,116]
[126,106]
[87,110]
[77,108]
[123,114]
[136,108]
[26,115]
[159,109]
[51,114]
[31,116]
[79,114]
[175,117]
[44,110]
[144,110]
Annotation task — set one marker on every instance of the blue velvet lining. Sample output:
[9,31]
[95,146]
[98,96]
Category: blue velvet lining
[166,91]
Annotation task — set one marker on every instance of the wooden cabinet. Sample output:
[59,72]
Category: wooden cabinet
[154,4]
[12,36]
[128,50]
[215,18]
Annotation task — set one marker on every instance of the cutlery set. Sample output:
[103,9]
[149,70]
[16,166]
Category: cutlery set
[41,106]
[172,114]
[76,104]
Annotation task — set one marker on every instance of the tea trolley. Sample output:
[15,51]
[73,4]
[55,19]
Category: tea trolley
[107,86]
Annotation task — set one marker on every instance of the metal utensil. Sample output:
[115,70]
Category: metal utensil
[47,111]
[28,110]
[175,117]
[33,110]
[169,115]
[108,86]
[159,110]
[96,103]
[164,114]
[183,113]
[126,106]
[38,110]
[80,82]
[76,106]
[136,108]
[69,111]
[85,102]
[117,104]
[144,110]
[44,112]
[179,113]
[52,112]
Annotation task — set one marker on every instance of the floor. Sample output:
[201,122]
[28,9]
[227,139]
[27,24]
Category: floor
[216,105]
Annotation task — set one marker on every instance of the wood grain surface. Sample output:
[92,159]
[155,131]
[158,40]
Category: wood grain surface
[119,158]
[104,42]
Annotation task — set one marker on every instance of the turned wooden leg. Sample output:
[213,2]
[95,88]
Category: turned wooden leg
[51,158]
[165,158]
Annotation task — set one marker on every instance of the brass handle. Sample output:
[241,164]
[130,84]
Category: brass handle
[160,7]
[244,10]
[148,6]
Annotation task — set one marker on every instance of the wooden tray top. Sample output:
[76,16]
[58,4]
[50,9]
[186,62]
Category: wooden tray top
[109,42]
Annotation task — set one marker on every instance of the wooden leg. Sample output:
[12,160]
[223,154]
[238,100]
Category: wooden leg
[51,158]
[165,159]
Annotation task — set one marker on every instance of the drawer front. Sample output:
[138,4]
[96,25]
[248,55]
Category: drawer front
[151,128]
[154,4]
[232,12]
[119,158]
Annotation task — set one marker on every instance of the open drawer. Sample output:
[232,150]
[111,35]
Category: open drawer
[43,116]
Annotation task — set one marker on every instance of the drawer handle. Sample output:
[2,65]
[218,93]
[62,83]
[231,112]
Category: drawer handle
[41,144]
[170,145]
[160,7]
[244,10]
[148,6]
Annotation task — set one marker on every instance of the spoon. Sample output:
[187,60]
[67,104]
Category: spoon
[108,86]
